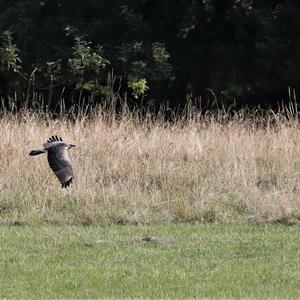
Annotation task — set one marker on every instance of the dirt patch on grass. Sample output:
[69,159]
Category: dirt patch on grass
[140,240]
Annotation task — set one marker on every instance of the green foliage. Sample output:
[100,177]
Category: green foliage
[138,86]
[159,52]
[53,70]
[97,89]
[145,65]
[9,54]
[240,49]
[10,66]
[86,64]
[161,67]
[85,60]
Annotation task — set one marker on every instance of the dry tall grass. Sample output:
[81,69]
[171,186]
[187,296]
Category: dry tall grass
[127,171]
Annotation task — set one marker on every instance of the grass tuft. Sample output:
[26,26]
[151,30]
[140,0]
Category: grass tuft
[199,169]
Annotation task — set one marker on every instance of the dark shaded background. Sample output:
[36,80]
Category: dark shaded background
[238,51]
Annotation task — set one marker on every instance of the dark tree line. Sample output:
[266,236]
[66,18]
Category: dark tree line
[241,51]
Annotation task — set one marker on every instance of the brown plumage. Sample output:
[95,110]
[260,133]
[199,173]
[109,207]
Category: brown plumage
[58,159]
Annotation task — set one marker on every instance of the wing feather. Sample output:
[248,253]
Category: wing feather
[60,164]
[54,139]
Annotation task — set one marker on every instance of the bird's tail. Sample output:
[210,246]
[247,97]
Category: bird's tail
[36,152]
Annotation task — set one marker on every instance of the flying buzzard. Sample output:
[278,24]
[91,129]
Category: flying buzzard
[58,159]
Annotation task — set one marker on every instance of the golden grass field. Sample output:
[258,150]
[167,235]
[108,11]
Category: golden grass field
[196,170]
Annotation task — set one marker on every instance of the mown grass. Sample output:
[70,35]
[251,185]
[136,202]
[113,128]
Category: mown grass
[198,169]
[219,261]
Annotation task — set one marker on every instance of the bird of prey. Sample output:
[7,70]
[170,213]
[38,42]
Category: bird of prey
[58,159]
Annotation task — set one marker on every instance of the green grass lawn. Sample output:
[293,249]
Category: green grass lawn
[218,261]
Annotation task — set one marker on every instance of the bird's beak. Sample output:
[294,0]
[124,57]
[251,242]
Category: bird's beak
[71,146]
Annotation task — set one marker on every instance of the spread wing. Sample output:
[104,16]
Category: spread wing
[60,164]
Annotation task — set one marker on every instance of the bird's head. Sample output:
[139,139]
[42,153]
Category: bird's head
[69,146]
